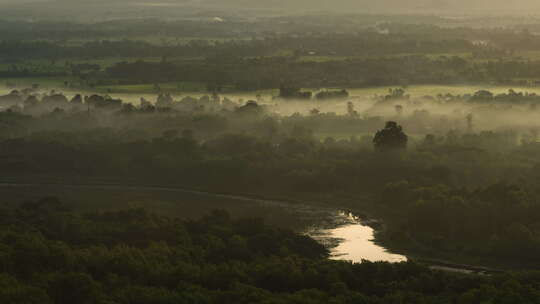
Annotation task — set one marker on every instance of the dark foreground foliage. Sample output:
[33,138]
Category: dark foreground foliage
[49,254]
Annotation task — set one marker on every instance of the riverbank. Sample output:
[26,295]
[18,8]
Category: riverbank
[363,208]
[383,220]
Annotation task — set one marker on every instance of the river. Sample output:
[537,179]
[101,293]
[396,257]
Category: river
[345,235]
[348,237]
[353,240]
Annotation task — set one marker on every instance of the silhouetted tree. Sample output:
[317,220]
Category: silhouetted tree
[390,138]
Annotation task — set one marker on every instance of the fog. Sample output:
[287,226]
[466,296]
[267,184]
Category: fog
[179,8]
[357,115]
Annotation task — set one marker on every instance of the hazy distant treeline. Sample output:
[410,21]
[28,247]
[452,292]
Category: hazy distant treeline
[385,54]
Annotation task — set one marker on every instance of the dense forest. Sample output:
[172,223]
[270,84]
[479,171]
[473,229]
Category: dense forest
[51,254]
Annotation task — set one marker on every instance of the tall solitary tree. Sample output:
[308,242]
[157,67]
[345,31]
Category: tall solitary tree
[390,138]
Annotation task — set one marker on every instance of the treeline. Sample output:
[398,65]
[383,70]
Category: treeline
[124,38]
[488,97]
[51,254]
[498,222]
[14,50]
[368,44]
[265,73]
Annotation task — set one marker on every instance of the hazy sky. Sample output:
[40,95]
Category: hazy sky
[393,5]
[531,7]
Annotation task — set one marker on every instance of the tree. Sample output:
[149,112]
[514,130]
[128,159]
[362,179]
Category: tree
[251,107]
[399,109]
[350,110]
[390,138]
[469,123]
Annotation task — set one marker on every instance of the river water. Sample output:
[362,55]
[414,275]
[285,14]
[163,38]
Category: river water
[353,240]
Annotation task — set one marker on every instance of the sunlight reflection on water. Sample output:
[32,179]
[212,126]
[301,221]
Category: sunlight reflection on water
[355,242]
